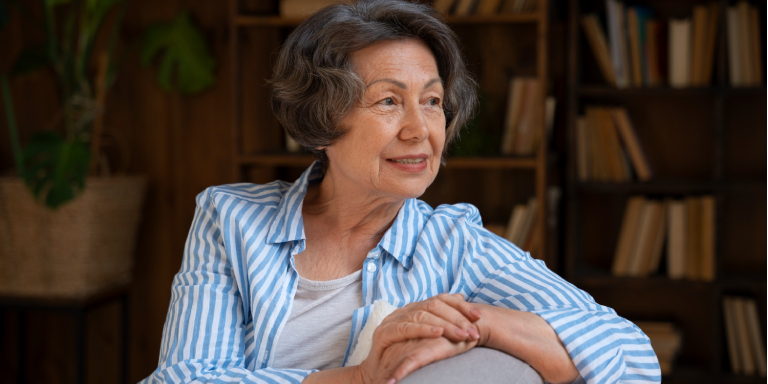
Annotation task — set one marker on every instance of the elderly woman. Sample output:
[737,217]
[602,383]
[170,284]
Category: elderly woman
[281,282]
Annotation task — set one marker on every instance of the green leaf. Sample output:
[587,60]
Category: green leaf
[183,52]
[55,169]
[31,59]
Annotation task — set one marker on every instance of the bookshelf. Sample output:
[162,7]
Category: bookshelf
[703,140]
[496,46]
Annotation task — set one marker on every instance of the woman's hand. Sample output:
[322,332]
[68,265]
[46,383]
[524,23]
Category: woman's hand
[450,312]
[393,363]
[528,337]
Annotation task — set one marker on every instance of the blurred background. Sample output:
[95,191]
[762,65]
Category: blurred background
[171,96]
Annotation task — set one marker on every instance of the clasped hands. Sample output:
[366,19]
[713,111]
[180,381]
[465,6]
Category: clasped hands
[421,333]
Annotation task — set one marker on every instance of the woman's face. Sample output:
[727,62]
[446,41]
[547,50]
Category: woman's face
[395,135]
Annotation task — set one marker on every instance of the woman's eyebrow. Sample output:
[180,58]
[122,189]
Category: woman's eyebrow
[402,85]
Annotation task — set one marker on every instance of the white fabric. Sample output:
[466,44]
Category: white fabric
[317,332]
[381,309]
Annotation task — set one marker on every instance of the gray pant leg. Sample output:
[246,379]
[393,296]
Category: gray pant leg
[478,365]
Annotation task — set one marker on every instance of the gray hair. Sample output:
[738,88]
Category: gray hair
[314,86]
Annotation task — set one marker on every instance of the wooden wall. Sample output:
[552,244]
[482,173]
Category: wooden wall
[180,143]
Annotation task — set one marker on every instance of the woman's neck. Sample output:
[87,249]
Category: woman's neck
[345,212]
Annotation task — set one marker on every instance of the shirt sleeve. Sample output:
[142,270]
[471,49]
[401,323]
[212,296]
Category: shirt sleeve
[605,347]
[205,337]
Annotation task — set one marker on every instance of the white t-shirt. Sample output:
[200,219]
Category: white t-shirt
[318,328]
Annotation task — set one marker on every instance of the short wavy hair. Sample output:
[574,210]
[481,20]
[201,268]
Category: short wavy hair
[314,87]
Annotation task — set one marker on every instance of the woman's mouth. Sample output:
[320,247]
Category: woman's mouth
[408,161]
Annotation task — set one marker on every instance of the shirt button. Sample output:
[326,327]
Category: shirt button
[371,267]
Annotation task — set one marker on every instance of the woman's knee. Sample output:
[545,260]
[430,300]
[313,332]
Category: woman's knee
[479,365]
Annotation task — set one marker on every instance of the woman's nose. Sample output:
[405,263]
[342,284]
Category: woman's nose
[414,124]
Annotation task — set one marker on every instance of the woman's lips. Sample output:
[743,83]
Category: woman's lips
[411,163]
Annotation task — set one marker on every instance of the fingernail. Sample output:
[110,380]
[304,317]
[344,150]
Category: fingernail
[391,381]
[435,329]
[475,313]
[473,332]
[461,332]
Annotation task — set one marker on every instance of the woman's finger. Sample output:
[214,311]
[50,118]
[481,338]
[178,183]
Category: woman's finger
[449,313]
[388,334]
[427,352]
[457,301]
[451,331]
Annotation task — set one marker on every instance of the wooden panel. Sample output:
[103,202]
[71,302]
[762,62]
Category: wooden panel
[745,137]
[743,251]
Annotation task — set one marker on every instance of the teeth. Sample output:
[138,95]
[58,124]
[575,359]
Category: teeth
[409,161]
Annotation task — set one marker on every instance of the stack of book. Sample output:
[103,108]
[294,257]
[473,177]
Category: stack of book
[521,227]
[688,226]
[744,47]
[641,50]
[604,138]
[483,7]
[665,340]
[745,339]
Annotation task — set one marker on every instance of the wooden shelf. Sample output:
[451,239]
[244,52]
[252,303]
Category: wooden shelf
[653,186]
[278,21]
[304,160]
[496,162]
[689,375]
[607,91]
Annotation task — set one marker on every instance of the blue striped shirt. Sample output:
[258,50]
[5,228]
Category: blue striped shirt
[233,294]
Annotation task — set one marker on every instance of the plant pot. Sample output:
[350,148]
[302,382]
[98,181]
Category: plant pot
[81,248]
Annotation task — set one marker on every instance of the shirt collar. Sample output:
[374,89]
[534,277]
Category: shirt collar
[288,225]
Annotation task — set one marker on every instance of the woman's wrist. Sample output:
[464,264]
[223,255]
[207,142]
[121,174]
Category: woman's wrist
[528,337]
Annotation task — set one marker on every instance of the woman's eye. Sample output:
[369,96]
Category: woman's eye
[388,101]
[434,101]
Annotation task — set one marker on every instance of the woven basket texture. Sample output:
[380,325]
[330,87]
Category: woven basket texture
[85,246]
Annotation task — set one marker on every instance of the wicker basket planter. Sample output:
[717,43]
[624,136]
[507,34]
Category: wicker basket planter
[83,247]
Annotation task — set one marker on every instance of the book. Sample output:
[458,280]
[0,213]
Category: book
[527,224]
[515,99]
[711,40]
[600,170]
[597,41]
[528,126]
[734,51]
[464,7]
[742,332]
[666,341]
[611,145]
[633,28]
[677,228]
[515,223]
[755,48]
[755,336]
[614,12]
[659,233]
[745,46]
[693,238]
[699,28]
[679,53]
[707,238]
[628,136]
[488,7]
[731,335]
[627,236]
[643,240]
[652,52]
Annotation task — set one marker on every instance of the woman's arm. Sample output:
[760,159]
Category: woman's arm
[604,347]
[529,338]
[205,332]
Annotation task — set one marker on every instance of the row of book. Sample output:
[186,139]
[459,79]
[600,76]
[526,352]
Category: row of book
[687,226]
[745,62]
[483,7]
[607,147]
[521,135]
[666,341]
[640,50]
[746,351]
[521,228]
[300,9]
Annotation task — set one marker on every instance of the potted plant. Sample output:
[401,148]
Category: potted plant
[67,227]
